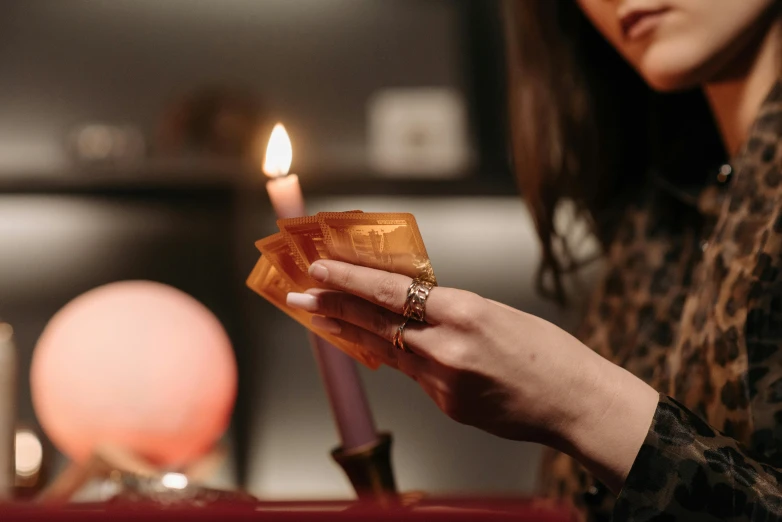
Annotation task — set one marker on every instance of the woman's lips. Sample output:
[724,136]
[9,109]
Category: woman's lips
[640,22]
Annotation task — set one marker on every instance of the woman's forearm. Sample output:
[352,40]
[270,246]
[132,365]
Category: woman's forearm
[614,413]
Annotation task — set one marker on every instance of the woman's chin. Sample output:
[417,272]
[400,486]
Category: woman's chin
[669,68]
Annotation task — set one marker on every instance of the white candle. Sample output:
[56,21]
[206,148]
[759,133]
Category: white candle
[346,394]
[285,194]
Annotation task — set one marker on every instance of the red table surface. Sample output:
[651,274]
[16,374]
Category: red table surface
[447,509]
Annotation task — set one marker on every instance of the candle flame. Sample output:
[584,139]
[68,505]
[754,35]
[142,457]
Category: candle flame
[279,153]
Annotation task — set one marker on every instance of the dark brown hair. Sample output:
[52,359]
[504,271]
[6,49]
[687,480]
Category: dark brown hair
[586,128]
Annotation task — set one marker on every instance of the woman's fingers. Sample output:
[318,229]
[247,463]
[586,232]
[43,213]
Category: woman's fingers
[347,307]
[351,309]
[410,364]
[384,289]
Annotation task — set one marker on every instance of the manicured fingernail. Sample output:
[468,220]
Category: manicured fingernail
[302,301]
[319,272]
[326,324]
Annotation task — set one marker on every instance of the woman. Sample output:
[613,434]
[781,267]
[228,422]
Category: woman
[691,303]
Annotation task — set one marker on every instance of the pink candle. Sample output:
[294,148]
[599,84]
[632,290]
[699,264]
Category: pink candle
[346,395]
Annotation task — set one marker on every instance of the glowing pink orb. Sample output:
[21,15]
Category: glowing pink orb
[134,364]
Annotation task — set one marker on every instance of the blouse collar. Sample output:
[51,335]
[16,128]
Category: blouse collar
[759,148]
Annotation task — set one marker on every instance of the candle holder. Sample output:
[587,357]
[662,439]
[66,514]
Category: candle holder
[370,472]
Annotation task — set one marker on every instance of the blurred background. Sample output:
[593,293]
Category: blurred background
[129,150]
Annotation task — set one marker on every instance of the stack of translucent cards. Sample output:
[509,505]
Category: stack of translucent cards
[389,242]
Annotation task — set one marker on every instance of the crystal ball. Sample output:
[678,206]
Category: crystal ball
[137,365]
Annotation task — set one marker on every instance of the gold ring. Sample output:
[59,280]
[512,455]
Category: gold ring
[399,337]
[415,304]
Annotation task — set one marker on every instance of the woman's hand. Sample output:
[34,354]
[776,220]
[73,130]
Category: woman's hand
[490,366]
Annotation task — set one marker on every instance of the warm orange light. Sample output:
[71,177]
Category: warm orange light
[279,153]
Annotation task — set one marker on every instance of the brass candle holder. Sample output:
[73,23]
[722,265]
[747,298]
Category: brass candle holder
[370,471]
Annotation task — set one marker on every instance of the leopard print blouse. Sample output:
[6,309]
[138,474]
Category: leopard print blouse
[691,302]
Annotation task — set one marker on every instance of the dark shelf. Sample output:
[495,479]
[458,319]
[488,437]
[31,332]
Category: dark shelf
[147,176]
[472,186]
[201,176]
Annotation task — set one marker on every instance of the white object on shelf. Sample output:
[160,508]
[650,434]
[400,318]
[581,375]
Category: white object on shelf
[99,143]
[420,132]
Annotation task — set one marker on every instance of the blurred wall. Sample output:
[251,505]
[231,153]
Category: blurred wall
[312,63]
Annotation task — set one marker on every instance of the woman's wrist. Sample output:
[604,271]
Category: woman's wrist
[611,413]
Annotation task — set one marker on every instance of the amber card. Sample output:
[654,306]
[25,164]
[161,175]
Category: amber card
[278,251]
[274,287]
[386,241]
[305,237]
